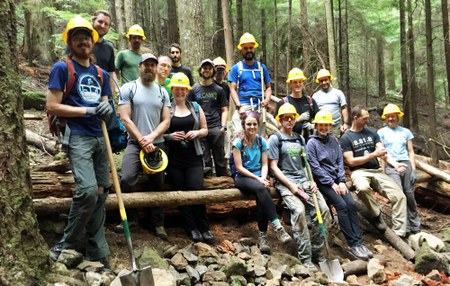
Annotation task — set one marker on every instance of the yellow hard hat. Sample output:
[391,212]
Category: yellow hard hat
[181,80]
[294,74]
[79,22]
[221,62]
[286,108]
[391,109]
[247,38]
[323,116]
[136,30]
[154,162]
[323,73]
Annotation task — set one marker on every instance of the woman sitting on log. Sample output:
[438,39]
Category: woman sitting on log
[250,177]
[185,169]
[327,165]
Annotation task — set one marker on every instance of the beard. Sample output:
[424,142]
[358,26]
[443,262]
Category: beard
[82,51]
[148,77]
[175,59]
[202,75]
[249,56]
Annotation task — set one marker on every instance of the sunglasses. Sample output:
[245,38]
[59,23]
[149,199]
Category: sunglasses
[291,117]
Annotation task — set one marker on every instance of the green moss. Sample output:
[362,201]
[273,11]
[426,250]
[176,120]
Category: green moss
[33,100]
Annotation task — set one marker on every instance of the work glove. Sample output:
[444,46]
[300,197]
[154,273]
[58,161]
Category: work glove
[304,116]
[308,126]
[104,110]
[90,111]
[412,177]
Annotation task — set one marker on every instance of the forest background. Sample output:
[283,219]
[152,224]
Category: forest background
[392,50]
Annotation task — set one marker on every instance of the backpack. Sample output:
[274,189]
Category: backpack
[233,169]
[311,105]
[298,138]
[116,130]
[260,70]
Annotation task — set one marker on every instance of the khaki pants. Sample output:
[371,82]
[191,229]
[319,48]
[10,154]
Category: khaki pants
[366,180]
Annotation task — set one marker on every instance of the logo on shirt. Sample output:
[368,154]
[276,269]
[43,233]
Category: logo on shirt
[89,88]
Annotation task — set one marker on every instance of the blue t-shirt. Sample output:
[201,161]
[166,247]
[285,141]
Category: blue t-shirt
[86,92]
[396,141]
[251,155]
[249,81]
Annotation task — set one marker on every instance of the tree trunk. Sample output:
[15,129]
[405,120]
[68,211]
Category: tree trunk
[239,19]
[289,39]
[344,54]
[121,25]
[430,84]
[190,15]
[445,29]
[403,63]
[129,13]
[157,28]
[414,119]
[173,27]
[330,37]
[228,33]
[306,42]
[275,50]
[23,253]
[218,48]
[263,42]
[380,66]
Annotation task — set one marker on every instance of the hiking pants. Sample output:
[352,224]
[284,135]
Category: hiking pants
[214,145]
[129,176]
[404,182]
[309,246]
[266,211]
[347,214]
[366,180]
[90,167]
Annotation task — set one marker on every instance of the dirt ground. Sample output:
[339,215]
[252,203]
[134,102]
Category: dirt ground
[229,221]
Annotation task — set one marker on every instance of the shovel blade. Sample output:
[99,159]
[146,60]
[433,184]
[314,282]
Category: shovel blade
[142,277]
[333,270]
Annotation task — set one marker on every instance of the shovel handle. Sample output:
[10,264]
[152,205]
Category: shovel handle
[116,184]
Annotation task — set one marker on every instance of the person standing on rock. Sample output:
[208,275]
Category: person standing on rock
[83,107]
[398,143]
[251,163]
[327,166]
[286,164]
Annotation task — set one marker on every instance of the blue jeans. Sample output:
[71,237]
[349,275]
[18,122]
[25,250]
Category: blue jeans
[90,167]
[347,214]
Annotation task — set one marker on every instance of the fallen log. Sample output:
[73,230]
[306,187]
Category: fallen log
[41,142]
[150,199]
[435,172]
[356,267]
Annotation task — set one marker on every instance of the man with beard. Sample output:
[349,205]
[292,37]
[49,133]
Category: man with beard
[145,112]
[221,74]
[175,56]
[83,108]
[362,148]
[212,99]
[246,79]
[127,61]
[304,104]
[163,72]
[333,100]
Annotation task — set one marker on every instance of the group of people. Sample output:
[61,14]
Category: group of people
[164,111]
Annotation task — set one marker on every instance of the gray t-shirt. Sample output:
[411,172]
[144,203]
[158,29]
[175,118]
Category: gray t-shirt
[333,101]
[289,159]
[147,103]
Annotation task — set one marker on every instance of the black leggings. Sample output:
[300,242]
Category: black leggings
[184,179]
[264,203]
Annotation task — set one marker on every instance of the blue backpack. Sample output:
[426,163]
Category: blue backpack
[233,169]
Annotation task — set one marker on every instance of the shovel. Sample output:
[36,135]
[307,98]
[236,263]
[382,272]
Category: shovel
[332,269]
[137,277]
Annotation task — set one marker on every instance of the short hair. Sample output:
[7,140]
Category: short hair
[357,110]
[103,12]
[161,58]
[176,46]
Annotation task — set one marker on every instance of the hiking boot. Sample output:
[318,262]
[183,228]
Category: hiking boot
[208,237]
[55,251]
[106,265]
[195,235]
[358,253]
[379,223]
[310,266]
[161,232]
[366,250]
[319,258]
[283,236]
[264,245]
